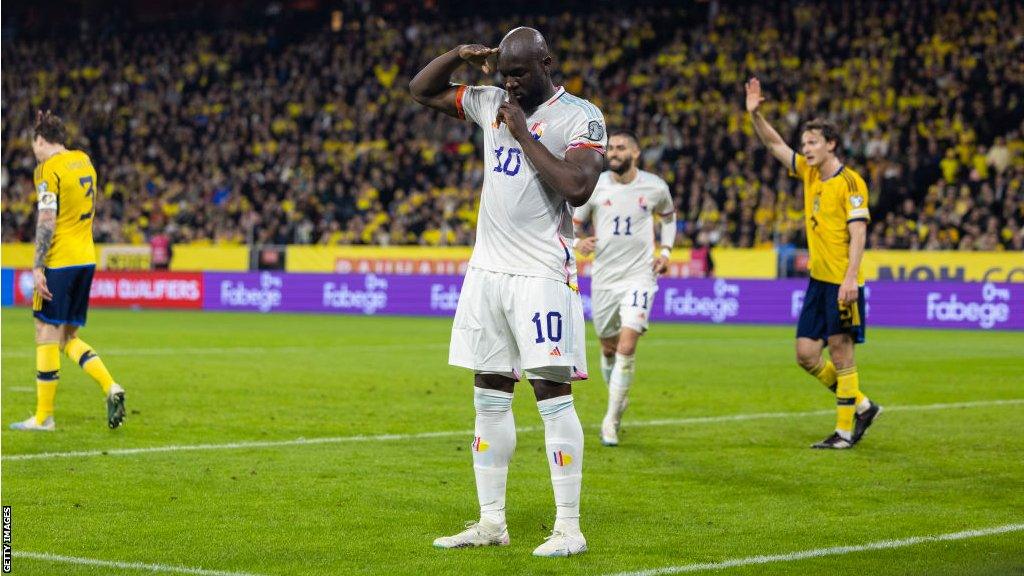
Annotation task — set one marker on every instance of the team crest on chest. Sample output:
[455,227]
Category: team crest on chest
[538,129]
[643,203]
[607,202]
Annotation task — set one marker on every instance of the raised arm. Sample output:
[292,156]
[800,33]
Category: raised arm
[768,136]
[432,86]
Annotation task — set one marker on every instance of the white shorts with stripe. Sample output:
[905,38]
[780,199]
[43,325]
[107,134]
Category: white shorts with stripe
[510,324]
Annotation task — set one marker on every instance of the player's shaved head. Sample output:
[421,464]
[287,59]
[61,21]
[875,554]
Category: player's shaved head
[524,42]
[524,63]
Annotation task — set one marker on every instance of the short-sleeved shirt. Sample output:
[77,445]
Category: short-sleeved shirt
[525,226]
[66,182]
[623,216]
[829,206]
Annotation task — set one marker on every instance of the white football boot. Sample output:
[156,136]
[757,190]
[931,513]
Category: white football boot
[475,534]
[48,425]
[562,544]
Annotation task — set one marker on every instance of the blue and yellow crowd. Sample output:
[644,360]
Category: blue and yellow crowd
[263,134]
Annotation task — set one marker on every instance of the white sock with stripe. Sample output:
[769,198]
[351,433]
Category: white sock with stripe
[493,445]
[563,438]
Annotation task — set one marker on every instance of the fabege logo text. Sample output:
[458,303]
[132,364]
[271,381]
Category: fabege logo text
[444,297]
[724,305]
[369,300]
[264,298]
[993,309]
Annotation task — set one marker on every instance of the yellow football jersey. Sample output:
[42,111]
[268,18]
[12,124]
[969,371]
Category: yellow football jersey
[67,182]
[829,206]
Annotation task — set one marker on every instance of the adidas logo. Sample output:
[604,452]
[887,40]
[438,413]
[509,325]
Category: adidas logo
[556,352]
[607,202]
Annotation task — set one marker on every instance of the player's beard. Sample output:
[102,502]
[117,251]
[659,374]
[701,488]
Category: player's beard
[623,167]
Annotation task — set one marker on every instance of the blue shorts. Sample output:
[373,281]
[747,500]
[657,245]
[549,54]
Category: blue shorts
[70,303]
[822,316]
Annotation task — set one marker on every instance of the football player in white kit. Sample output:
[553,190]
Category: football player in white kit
[520,312]
[625,271]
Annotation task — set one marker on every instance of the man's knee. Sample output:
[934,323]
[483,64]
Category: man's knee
[808,355]
[492,381]
[546,389]
[48,334]
[608,347]
[627,342]
[841,350]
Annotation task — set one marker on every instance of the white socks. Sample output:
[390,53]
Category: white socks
[607,363]
[493,445]
[618,386]
[563,437]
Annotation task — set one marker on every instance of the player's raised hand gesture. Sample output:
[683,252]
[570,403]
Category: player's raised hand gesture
[511,114]
[754,95]
[479,56]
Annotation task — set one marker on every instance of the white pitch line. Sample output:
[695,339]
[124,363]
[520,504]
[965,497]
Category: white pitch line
[450,433]
[47,557]
[241,350]
[820,552]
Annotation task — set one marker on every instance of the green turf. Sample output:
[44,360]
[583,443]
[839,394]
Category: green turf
[670,495]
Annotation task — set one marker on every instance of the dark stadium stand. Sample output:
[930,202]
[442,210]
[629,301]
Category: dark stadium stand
[278,132]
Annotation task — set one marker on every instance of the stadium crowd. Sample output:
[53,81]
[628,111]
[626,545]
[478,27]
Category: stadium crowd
[276,135]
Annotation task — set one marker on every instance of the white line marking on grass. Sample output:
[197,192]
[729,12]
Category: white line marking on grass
[450,433]
[21,389]
[47,557]
[820,552]
[240,350]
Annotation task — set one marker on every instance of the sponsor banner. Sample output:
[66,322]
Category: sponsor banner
[983,306]
[966,305]
[435,295]
[403,267]
[6,287]
[147,289]
[901,265]
[130,289]
[417,260]
[187,257]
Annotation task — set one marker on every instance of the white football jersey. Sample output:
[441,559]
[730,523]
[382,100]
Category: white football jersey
[623,216]
[524,226]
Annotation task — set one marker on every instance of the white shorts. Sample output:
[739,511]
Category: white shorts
[628,306]
[508,324]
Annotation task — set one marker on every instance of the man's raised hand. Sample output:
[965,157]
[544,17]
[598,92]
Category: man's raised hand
[754,95]
[479,56]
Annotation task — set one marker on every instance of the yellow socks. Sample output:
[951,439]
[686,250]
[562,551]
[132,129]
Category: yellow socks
[847,391]
[47,376]
[825,372]
[82,353]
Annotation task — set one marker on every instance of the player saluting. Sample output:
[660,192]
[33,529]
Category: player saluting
[520,312]
[836,216]
[625,271]
[65,260]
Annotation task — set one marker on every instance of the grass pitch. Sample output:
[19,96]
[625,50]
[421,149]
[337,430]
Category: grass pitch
[681,490]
